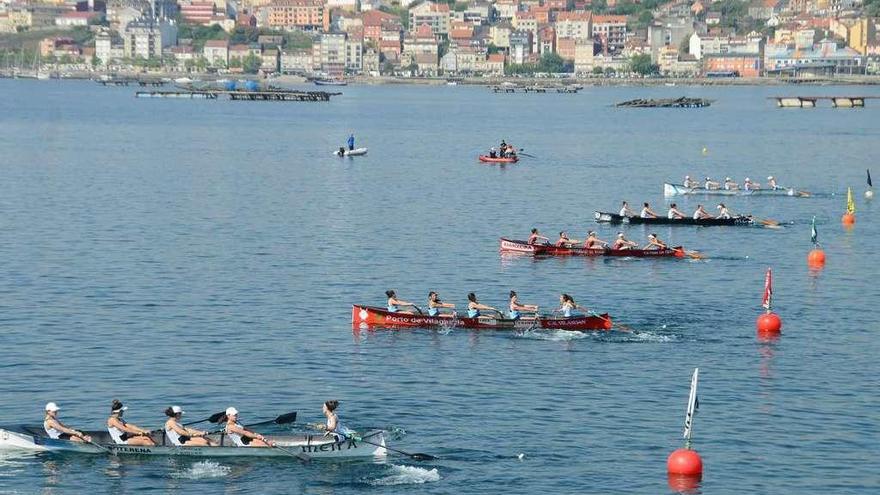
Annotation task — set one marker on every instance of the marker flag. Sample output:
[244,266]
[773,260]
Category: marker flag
[693,406]
[869,179]
[814,236]
[767,302]
[850,204]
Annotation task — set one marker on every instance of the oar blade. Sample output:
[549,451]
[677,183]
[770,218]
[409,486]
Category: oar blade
[217,417]
[286,418]
[422,457]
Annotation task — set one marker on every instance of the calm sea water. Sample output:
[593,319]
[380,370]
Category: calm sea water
[206,253]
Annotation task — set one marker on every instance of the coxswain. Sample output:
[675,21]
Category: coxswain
[181,436]
[771,183]
[474,306]
[568,307]
[435,304]
[690,183]
[725,213]
[655,243]
[593,242]
[394,304]
[124,433]
[710,184]
[564,241]
[701,214]
[57,430]
[625,211]
[674,212]
[350,142]
[623,243]
[241,436]
[647,212]
[748,185]
[333,426]
[536,236]
[517,309]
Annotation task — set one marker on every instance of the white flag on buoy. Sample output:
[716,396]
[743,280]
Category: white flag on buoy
[693,405]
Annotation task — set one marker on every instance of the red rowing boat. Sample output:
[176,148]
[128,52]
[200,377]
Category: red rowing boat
[489,159]
[523,247]
[371,316]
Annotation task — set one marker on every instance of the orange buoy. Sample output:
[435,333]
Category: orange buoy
[848,219]
[816,258]
[684,462]
[682,483]
[769,322]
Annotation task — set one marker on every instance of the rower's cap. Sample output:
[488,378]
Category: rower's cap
[652,236]
[52,407]
[707,178]
[770,178]
[231,411]
[687,176]
[117,406]
[590,232]
[177,410]
[747,179]
[620,234]
[727,178]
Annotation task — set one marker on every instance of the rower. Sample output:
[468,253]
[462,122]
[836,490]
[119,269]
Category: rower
[625,211]
[655,243]
[748,185]
[516,309]
[730,184]
[241,436]
[623,243]
[771,183]
[564,241]
[394,303]
[674,213]
[124,433]
[536,236]
[593,242]
[435,305]
[568,307]
[57,430]
[647,212]
[334,426]
[690,183]
[711,184]
[701,214]
[725,213]
[503,149]
[474,306]
[181,436]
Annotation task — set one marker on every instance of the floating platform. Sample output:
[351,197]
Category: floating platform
[127,81]
[811,101]
[682,102]
[536,89]
[274,95]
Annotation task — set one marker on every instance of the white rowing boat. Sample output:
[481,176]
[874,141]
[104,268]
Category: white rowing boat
[682,190]
[354,152]
[33,438]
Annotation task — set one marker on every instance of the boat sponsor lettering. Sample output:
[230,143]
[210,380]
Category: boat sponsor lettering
[329,447]
[122,449]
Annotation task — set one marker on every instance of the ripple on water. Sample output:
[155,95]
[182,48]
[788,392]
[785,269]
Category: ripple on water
[406,475]
[202,470]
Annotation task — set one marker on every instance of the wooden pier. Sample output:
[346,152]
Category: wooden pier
[274,95]
[683,102]
[811,101]
[124,81]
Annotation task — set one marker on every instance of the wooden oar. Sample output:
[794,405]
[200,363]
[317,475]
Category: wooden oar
[690,254]
[214,418]
[83,438]
[523,153]
[284,419]
[768,222]
[298,455]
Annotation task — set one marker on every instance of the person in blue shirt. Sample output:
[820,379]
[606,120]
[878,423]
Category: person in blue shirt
[350,142]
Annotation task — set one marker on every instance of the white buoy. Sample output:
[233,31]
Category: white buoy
[869,194]
[521,456]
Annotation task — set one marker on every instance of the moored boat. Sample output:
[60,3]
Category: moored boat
[370,316]
[681,190]
[318,446]
[354,152]
[614,218]
[490,159]
[523,247]
[330,82]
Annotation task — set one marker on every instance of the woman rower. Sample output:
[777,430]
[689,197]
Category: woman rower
[625,211]
[535,236]
[435,304]
[124,433]
[701,214]
[690,183]
[647,212]
[516,309]
[730,184]
[57,430]
[333,426]
[655,243]
[394,303]
[568,306]
[564,241]
[748,185]
[593,242]
[181,436]
[474,306]
[623,243]
[241,436]
[710,184]
[771,183]
[725,213]
[674,213]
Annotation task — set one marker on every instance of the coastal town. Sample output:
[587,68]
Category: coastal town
[338,39]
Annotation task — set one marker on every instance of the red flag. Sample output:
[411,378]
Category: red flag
[768,291]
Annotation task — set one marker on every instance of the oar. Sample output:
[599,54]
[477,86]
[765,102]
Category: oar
[690,254]
[418,309]
[618,325]
[83,438]
[214,418]
[284,419]
[417,456]
[523,153]
[769,222]
[298,455]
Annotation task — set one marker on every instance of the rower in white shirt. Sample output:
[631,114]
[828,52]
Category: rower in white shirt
[725,213]
[674,213]
[647,212]
[701,213]
[730,184]
[710,184]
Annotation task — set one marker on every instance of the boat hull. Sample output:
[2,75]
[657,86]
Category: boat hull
[681,190]
[32,438]
[354,152]
[489,159]
[613,218]
[364,317]
[522,247]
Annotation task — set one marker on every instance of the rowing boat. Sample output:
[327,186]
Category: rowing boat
[34,438]
[606,217]
[681,190]
[523,247]
[507,159]
[354,152]
[370,316]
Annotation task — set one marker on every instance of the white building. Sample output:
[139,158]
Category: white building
[145,38]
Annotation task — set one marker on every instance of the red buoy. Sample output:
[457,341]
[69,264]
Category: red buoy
[684,462]
[848,219]
[816,258]
[769,322]
[682,483]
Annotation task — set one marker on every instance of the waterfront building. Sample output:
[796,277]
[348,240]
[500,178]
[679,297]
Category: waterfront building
[741,64]
[584,60]
[373,22]
[823,58]
[520,47]
[269,60]
[338,53]
[422,49]
[574,25]
[858,32]
[145,38]
[609,31]
[567,47]
[434,15]
[305,15]
[667,31]
[299,61]
[216,52]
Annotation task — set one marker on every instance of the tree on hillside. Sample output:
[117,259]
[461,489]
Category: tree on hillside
[641,64]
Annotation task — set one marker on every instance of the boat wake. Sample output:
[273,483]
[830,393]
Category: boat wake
[407,475]
[201,470]
[552,335]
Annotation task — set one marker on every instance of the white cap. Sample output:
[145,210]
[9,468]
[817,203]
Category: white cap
[747,179]
[687,176]
[727,178]
[719,207]
[51,406]
[231,411]
[620,234]
[770,178]
[177,410]
[707,178]
[652,236]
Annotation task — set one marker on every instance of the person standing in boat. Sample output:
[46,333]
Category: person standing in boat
[647,212]
[124,433]
[517,309]
[394,304]
[474,306]
[435,305]
[674,213]
[593,242]
[655,243]
[334,426]
[181,436]
[625,211]
[730,184]
[701,214]
[535,236]
[351,142]
[241,436]
[711,185]
[623,243]
[564,241]
[725,213]
[502,148]
[59,431]
[568,307]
